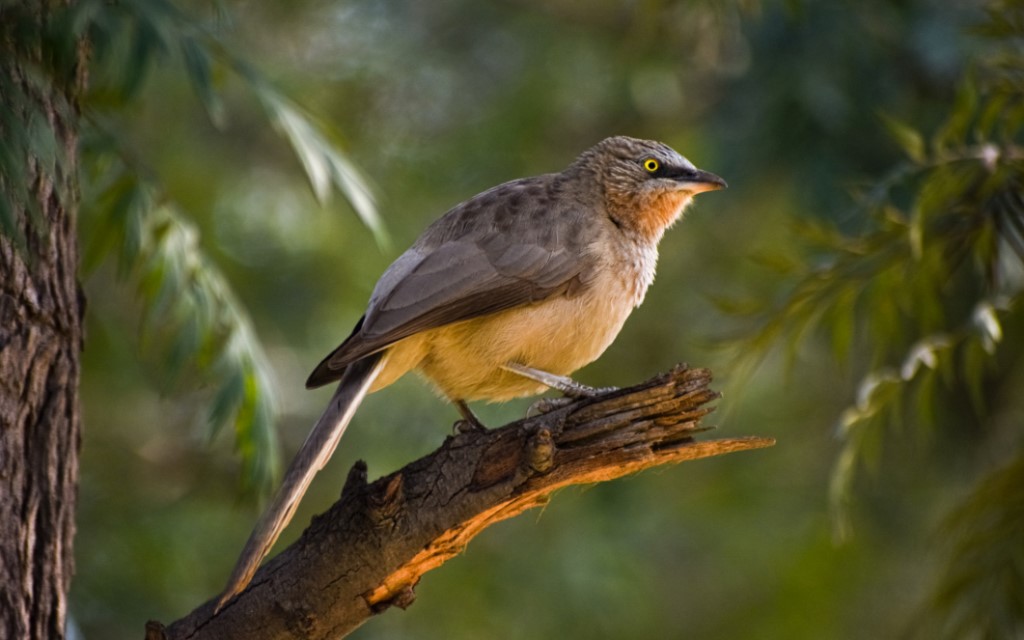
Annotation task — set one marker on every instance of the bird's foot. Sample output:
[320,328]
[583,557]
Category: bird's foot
[547,405]
[469,423]
[467,426]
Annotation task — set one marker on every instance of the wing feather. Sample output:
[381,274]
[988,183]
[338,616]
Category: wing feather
[500,250]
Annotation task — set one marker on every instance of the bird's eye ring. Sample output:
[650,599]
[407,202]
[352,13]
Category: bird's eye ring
[651,165]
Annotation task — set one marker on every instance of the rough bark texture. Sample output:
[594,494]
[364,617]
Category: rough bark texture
[40,341]
[369,550]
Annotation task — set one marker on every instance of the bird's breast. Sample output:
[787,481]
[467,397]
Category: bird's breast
[627,265]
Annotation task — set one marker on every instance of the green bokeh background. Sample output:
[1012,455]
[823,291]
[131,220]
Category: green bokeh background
[436,102]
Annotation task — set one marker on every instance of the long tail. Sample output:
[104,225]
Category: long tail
[312,456]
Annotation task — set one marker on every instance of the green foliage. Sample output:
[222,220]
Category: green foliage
[920,298]
[25,131]
[325,165]
[130,39]
[928,280]
[190,312]
[981,588]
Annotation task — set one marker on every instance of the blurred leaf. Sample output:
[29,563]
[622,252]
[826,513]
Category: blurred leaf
[988,325]
[228,398]
[737,306]
[899,290]
[925,398]
[178,279]
[841,321]
[189,314]
[323,161]
[979,592]
[26,135]
[778,262]
[993,112]
[954,132]
[197,64]
[908,138]
[974,373]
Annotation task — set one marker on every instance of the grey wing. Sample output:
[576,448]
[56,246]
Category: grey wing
[484,271]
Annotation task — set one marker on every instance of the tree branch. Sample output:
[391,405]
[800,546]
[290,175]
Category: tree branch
[368,551]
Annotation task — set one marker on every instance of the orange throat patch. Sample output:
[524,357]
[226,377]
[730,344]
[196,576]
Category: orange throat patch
[655,214]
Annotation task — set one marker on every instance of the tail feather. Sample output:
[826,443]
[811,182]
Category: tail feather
[312,456]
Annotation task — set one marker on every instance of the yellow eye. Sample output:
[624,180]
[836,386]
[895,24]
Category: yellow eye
[651,165]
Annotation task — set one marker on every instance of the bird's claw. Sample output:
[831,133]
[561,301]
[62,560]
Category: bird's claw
[469,423]
[547,405]
[468,426]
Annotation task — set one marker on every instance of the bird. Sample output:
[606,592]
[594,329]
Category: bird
[504,296]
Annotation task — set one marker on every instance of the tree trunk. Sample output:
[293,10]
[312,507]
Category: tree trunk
[40,326]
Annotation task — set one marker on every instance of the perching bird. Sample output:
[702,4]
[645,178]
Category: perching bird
[502,297]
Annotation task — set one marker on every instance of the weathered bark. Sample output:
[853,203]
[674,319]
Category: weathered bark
[40,339]
[369,550]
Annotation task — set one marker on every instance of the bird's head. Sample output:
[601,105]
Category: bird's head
[645,184]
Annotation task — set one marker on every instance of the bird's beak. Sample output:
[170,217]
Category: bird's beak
[697,181]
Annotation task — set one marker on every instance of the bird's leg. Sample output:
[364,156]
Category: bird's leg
[469,420]
[565,384]
[573,390]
